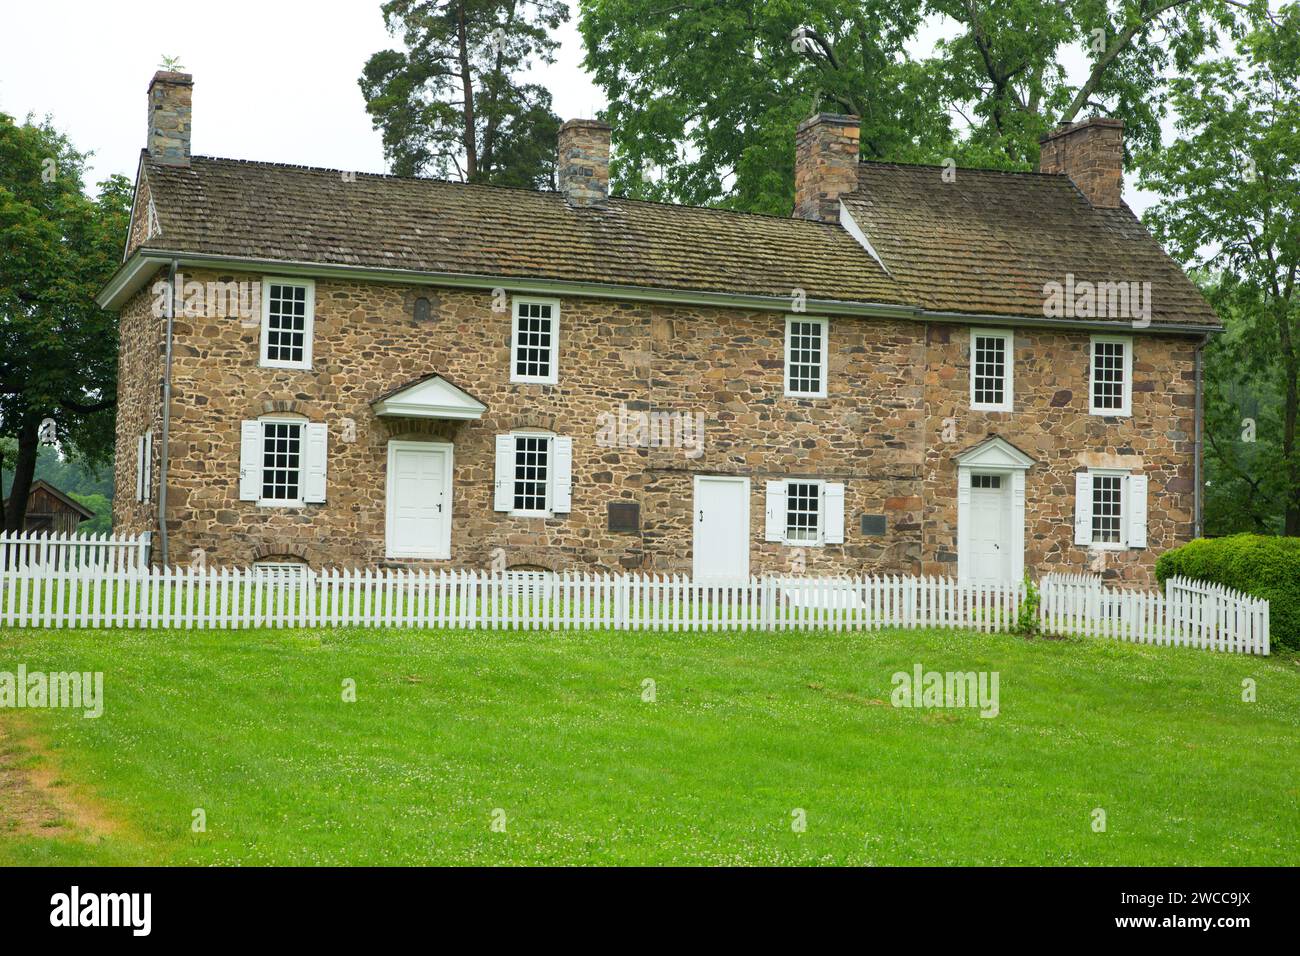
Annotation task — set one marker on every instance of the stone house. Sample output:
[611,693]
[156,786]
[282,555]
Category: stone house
[924,370]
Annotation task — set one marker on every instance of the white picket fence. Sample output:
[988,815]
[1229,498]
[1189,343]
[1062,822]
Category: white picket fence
[1188,613]
[60,552]
[222,598]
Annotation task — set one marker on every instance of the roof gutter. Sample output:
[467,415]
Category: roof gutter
[135,272]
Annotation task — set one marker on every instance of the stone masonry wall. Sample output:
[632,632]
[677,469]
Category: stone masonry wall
[891,385]
[139,409]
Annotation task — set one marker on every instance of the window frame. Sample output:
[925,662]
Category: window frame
[1126,392]
[1123,517]
[308,326]
[300,501]
[820,538]
[824,363]
[1008,371]
[548,511]
[554,376]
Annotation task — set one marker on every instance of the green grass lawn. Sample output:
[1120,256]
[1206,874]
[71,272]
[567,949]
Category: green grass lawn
[551,730]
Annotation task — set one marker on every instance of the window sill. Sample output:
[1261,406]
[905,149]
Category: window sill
[805,395]
[786,542]
[530,514]
[990,408]
[284,366]
[281,504]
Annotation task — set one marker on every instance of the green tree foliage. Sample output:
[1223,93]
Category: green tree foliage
[1231,183]
[58,349]
[705,94]
[452,104]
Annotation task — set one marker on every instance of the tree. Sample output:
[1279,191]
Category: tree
[452,103]
[1231,183]
[711,91]
[58,349]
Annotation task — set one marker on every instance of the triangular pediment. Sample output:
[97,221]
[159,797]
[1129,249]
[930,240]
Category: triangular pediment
[429,397]
[994,452]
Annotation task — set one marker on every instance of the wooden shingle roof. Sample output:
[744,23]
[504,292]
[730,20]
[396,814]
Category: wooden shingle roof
[268,211]
[983,245]
[989,241]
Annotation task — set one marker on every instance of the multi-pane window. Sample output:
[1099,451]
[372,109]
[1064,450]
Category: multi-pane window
[992,482]
[1111,388]
[532,472]
[534,352]
[805,357]
[802,511]
[990,380]
[282,462]
[1107,509]
[287,323]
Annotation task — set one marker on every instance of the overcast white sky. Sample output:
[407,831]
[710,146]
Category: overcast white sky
[275,80]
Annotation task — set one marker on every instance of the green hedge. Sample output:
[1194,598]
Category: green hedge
[1265,567]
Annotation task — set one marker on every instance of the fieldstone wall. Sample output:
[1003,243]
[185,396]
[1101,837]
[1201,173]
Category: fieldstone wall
[139,408]
[879,431]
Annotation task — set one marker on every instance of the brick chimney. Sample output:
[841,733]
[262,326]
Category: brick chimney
[169,117]
[583,171]
[1091,153]
[825,165]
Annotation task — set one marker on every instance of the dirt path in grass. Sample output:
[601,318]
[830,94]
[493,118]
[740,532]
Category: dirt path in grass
[34,799]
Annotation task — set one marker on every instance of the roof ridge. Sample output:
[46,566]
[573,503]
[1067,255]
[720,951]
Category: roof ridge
[268,164]
[964,169]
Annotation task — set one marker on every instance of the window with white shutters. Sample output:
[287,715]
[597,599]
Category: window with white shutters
[534,474]
[283,462]
[1110,509]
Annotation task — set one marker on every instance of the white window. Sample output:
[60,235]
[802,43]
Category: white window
[288,314]
[144,467]
[805,512]
[1110,509]
[1110,391]
[534,352]
[534,474]
[805,357]
[992,363]
[282,462]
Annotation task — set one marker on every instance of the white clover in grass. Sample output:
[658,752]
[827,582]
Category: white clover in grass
[1098,820]
[1248,690]
[198,820]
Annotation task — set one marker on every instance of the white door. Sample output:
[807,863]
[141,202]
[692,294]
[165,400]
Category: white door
[721,528]
[419,500]
[988,535]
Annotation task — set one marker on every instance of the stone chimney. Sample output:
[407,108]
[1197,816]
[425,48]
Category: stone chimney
[1091,153]
[169,117]
[825,165]
[584,162]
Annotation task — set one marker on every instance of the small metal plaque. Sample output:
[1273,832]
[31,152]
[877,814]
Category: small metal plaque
[624,516]
[873,524]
